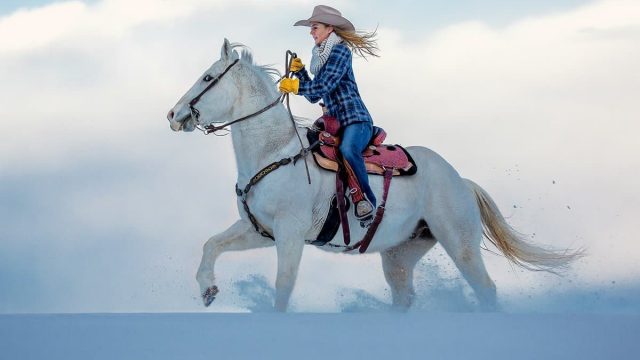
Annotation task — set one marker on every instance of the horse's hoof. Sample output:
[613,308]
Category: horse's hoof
[209,295]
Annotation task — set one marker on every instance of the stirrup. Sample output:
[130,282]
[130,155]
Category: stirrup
[363,210]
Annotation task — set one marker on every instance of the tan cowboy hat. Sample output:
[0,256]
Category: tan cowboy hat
[327,15]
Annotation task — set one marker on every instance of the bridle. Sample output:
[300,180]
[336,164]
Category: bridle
[212,128]
[302,154]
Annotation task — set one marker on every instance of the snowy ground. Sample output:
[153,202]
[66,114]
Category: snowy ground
[335,317]
[319,336]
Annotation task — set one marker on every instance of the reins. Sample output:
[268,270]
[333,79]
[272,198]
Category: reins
[289,56]
[211,128]
[302,154]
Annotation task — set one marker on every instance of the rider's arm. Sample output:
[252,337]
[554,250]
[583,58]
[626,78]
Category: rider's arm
[327,80]
[303,75]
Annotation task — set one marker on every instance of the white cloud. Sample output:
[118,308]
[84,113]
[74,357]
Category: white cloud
[30,29]
[78,74]
[555,80]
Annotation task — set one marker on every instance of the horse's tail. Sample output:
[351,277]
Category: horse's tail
[511,243]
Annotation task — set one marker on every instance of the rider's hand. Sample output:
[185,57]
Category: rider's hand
[296,65]
[288,85]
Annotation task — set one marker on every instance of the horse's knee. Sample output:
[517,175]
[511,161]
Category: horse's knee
[210,246]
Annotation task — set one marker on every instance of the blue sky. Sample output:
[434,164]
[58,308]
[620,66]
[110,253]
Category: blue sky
[534,101]
[412,14]
[8,7]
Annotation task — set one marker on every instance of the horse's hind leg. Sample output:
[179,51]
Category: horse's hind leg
[463,245]
[398,264]
[240,236]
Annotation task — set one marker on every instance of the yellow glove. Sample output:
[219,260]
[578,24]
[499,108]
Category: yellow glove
[289,85]
[296,65]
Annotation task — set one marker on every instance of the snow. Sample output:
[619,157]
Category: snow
[319,336]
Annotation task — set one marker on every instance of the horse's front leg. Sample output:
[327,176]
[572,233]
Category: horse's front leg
[289,244]
[240,236]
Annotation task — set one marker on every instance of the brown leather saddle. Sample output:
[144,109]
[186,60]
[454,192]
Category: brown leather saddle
[380,159]
[377,156]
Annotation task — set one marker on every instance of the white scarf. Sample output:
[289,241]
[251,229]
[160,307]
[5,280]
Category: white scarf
[320,53]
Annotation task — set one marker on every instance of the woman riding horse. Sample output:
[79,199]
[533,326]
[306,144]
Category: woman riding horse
[335,38]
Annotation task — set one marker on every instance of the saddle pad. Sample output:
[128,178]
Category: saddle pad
[376,158]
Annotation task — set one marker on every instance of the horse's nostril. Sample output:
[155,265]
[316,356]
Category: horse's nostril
[170,115]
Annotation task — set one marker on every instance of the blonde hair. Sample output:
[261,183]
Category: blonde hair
[360,42]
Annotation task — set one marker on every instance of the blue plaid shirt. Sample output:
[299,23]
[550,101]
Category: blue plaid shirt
[336,86]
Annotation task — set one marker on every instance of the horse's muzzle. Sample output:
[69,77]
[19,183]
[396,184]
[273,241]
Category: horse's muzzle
[179,123]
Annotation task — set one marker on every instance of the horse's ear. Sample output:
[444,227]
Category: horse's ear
[226,50]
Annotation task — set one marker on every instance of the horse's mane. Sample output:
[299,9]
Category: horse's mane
[246,56]
[270,74]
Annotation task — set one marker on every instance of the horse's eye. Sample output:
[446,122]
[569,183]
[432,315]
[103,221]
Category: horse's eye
[207,78]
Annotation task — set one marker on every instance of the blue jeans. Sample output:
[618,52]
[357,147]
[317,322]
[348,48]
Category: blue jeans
[355,138]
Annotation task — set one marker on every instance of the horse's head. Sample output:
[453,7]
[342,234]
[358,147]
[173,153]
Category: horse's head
[211,98]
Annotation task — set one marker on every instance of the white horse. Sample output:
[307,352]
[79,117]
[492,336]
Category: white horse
[458,212]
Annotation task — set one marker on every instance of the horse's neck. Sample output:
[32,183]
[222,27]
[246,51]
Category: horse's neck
[261,140]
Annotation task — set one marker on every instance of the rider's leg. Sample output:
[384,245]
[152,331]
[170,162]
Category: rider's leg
[354,140]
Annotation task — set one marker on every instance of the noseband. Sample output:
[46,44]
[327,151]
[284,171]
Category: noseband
[211,128]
